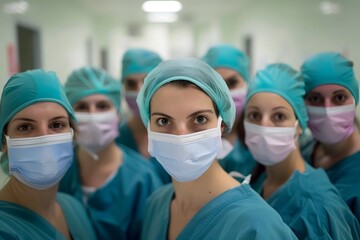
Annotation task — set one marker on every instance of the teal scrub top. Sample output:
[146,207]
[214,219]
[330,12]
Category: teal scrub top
[18,222]
[127,139]
[238,213]
[116,209]
[239,160]
[312,206]
[345,175]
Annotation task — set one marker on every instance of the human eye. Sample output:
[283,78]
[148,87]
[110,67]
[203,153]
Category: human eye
[253,117]
[131,85]
[103,106]
[315,99]
[340,98]
[24,128]
[232,82]
[162,122]
[200,119]
[57,125]
[81,107]
[279,117]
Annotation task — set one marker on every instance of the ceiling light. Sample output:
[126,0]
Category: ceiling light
[162,6]
[18,7]
[328,7]
[162,17]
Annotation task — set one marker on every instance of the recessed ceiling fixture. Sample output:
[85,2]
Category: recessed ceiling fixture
[162,17]
[162,6]
[16,7]
[328,7]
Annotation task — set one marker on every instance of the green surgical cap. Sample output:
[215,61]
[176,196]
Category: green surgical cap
[194,71]
[284,81]
[88,81]
[138,60]
[330,68]
[227,56]
[27,88]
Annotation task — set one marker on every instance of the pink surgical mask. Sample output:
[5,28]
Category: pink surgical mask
[130,97]
[270,145]
[331,124]
[238,96]
[97,130]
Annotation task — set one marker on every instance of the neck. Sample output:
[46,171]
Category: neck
[191,196]
[232,136]
[278,174]
[105,156]
[42,202]
[136,125]
[344,148]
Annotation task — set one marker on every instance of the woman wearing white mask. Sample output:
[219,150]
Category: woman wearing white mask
[186,106]
[275,115]
[332,93]
[111,180]
[233,65]
[36,124]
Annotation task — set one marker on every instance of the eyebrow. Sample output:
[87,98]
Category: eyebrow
[32,120]
[161,114]
[191,115]
[231,77]
[281,107]
[339,91]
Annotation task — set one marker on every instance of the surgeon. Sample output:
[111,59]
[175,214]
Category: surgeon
[111,180]
[233,65]
[37,130]
[136,64]
[186,106]
[332,94]
[275,117]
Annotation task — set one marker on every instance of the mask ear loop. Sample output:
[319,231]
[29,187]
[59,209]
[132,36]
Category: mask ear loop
[296,137]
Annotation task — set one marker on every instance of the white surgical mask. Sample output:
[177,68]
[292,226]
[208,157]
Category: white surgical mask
[270,145]
[97,130]
[186,157]
[40,162]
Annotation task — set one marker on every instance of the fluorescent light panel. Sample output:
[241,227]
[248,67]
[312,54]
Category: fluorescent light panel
[162,6]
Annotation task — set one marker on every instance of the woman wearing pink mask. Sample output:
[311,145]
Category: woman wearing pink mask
[332,93]
[111,180]
[136,64]
[275,117]
[233,66]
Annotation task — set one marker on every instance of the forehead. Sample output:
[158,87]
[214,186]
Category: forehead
[175,98]
[329,89]
[135,77]
[95,98]
[227,72]
[267,101]
[42,109]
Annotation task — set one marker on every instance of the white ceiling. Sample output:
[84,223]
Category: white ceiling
[193,10]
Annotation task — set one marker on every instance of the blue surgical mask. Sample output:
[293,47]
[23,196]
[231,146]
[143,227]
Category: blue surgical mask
[186,157]
[40,162]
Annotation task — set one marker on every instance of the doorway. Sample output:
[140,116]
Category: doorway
[28,41]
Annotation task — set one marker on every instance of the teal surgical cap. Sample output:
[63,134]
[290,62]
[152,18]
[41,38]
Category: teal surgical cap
[88,81]
[284,81]
[27,88]
[330,68]
[227,56]
[138,60]
[194,71]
